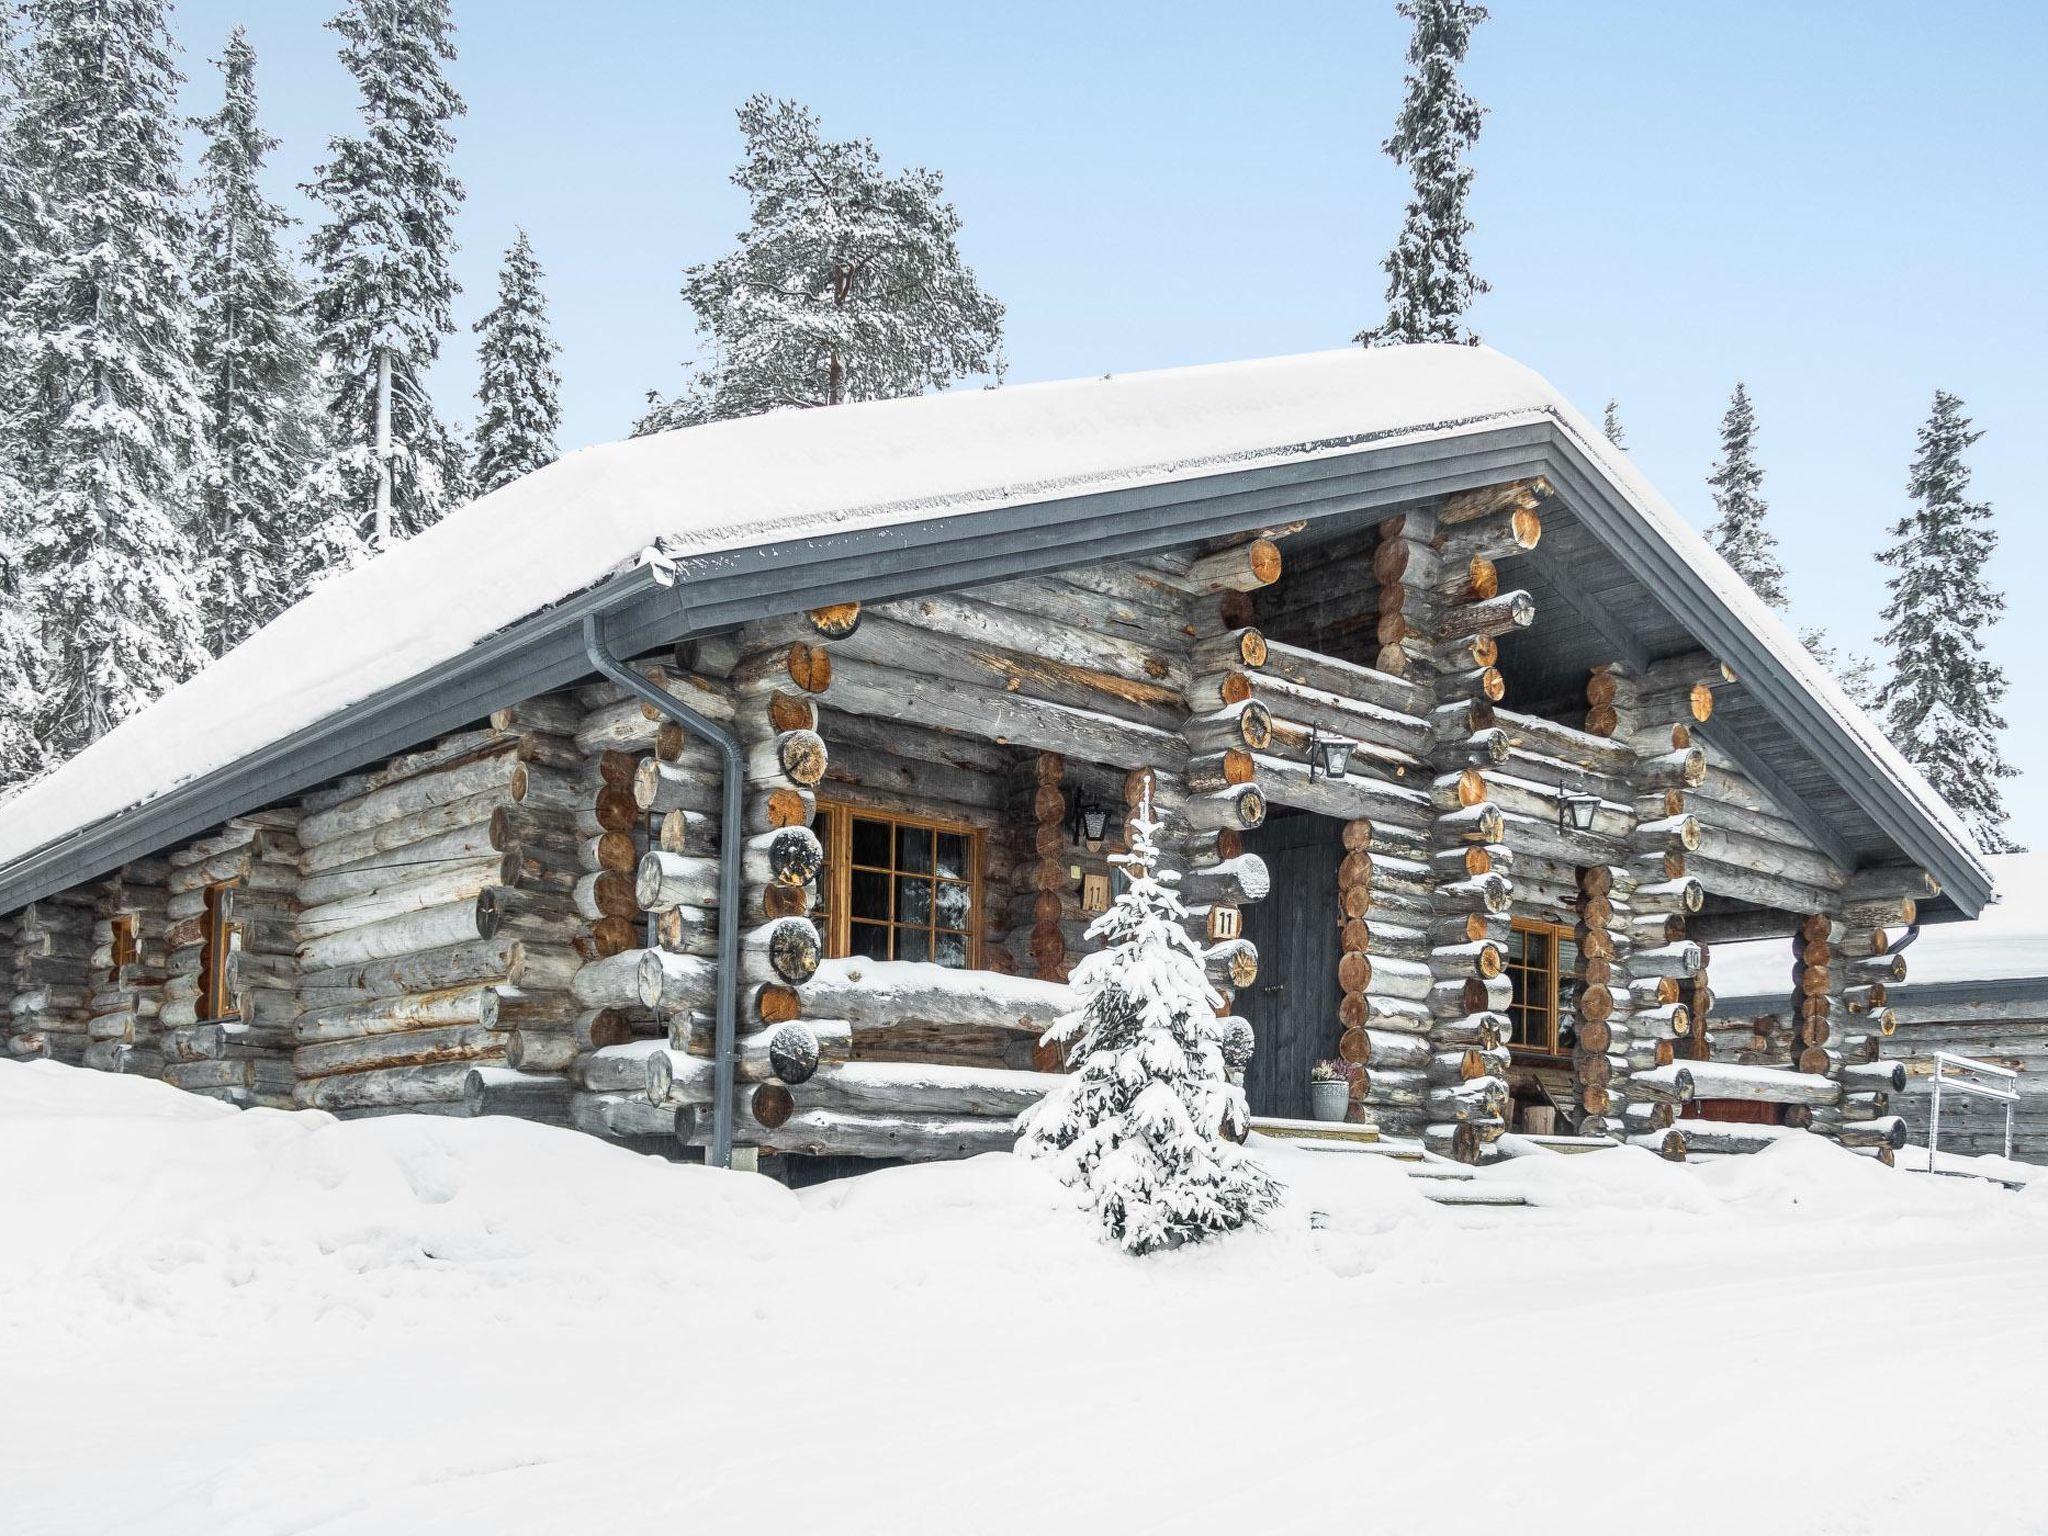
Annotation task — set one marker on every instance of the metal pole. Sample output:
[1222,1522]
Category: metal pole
[732,788]
[1934,1118]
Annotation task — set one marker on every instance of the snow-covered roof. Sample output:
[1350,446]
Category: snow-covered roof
[792,476]
[2008,942]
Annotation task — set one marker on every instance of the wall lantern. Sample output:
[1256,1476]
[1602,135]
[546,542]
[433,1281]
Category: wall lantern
[1576,810]
[1328,756]
[1090,823]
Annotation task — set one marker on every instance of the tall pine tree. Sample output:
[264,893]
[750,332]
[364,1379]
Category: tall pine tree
[847,285]
[1941,700]
[1430,281]
[256,361]
[382,288]
[106,427]
[1739,531]
[515,431]
[20,648]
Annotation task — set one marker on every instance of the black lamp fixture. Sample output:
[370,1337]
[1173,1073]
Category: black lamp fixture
[1090,823]
[1575,811]
[1328,756]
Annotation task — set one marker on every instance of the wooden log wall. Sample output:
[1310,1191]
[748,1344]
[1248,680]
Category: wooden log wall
[443,914]
[2005,1032]
[243,1056]
[52,978]
[133,964]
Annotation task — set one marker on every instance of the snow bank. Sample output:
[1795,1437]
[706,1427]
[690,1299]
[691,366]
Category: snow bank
[265,1322]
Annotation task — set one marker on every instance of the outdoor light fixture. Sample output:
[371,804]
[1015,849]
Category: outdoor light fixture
[1090,823]
[1576,810]
[1328,756]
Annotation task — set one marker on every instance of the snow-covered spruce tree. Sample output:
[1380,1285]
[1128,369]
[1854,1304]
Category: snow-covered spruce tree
[1430,281]
[1138,1124]
[382,286]
[847,285]
[1740,533]
[1611,425]
[1857,674]
[515,432]
[108,424]
[1941,701]
[256,360]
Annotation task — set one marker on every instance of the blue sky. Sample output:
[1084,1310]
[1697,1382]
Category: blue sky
[1840,204]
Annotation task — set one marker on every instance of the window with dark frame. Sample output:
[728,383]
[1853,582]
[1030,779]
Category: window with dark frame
[899,887]
[1539,958]
[222,937]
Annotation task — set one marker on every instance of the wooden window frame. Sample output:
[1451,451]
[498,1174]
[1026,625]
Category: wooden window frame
[214,948]
[1558,934]
[124,940]
[838,815]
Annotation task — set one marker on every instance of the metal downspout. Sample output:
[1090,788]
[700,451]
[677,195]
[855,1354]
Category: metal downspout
[731,787]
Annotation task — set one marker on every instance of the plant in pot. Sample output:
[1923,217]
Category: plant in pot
[1329,1090]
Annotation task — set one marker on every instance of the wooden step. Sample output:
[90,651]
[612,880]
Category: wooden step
[1315,1130]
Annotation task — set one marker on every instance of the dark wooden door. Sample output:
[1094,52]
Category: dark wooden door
[1293,1005]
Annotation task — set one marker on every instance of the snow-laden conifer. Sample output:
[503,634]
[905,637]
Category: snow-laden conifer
[1856,673]
[848,284]
[1941,700]
[1139,1123]
[1740,532]
[106,423]
[1611,425]
[1430,281]
[382,287]
[256,361]
[517,391]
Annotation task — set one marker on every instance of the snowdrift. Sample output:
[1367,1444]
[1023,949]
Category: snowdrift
[266,1322]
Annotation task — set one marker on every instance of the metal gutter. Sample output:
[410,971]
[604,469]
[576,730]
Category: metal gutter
[732,785]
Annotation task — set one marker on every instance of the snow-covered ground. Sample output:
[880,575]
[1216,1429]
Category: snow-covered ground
[263,1322]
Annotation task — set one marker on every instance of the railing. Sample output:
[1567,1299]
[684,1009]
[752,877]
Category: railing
[1944,1063]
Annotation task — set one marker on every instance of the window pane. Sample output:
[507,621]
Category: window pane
[1567,957]
[871,842]
[952,950]
[913,944]
[914,901]
[868,895]
[914,850]
[952,855]
[869,940]
[956,905]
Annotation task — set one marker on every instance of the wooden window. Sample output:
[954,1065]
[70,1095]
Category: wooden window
[223,936]
[899,887]
[1540,957]
[122,948]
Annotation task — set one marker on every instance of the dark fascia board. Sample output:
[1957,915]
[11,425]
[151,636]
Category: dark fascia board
[1926,994]
[717,592]
[1602,507]
[1032,536]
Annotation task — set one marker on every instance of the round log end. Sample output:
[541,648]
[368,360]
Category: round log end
[794,855]
[793,949]
[771,1105]
[835,621]
[793,1053]
[802,755]
[1255,726]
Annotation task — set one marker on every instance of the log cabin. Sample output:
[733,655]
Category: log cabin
[747,790]
[1977,989]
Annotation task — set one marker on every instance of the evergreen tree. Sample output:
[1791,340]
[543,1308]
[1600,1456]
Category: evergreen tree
[1857,674]
[1138,1124]
[515,434]
[1611,425]
[1941,701]
[256,361]
[382,287]
[847,284]
[106,426]
[1430,281]
[1739,531]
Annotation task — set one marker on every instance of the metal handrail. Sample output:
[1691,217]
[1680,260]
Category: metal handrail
[2008,1096]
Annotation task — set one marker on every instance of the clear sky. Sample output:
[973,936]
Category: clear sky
[1840,204]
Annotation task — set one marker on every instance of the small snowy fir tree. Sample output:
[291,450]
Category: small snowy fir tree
[1611,425]
[1740,533]
[256,361]
[1941,700]
[106,425]
[847,285]
[515,432]
[1430,281]
[1138,1124]
[1857,674]
[382,286]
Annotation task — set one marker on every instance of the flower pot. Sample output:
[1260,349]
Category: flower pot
[1329,1101]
